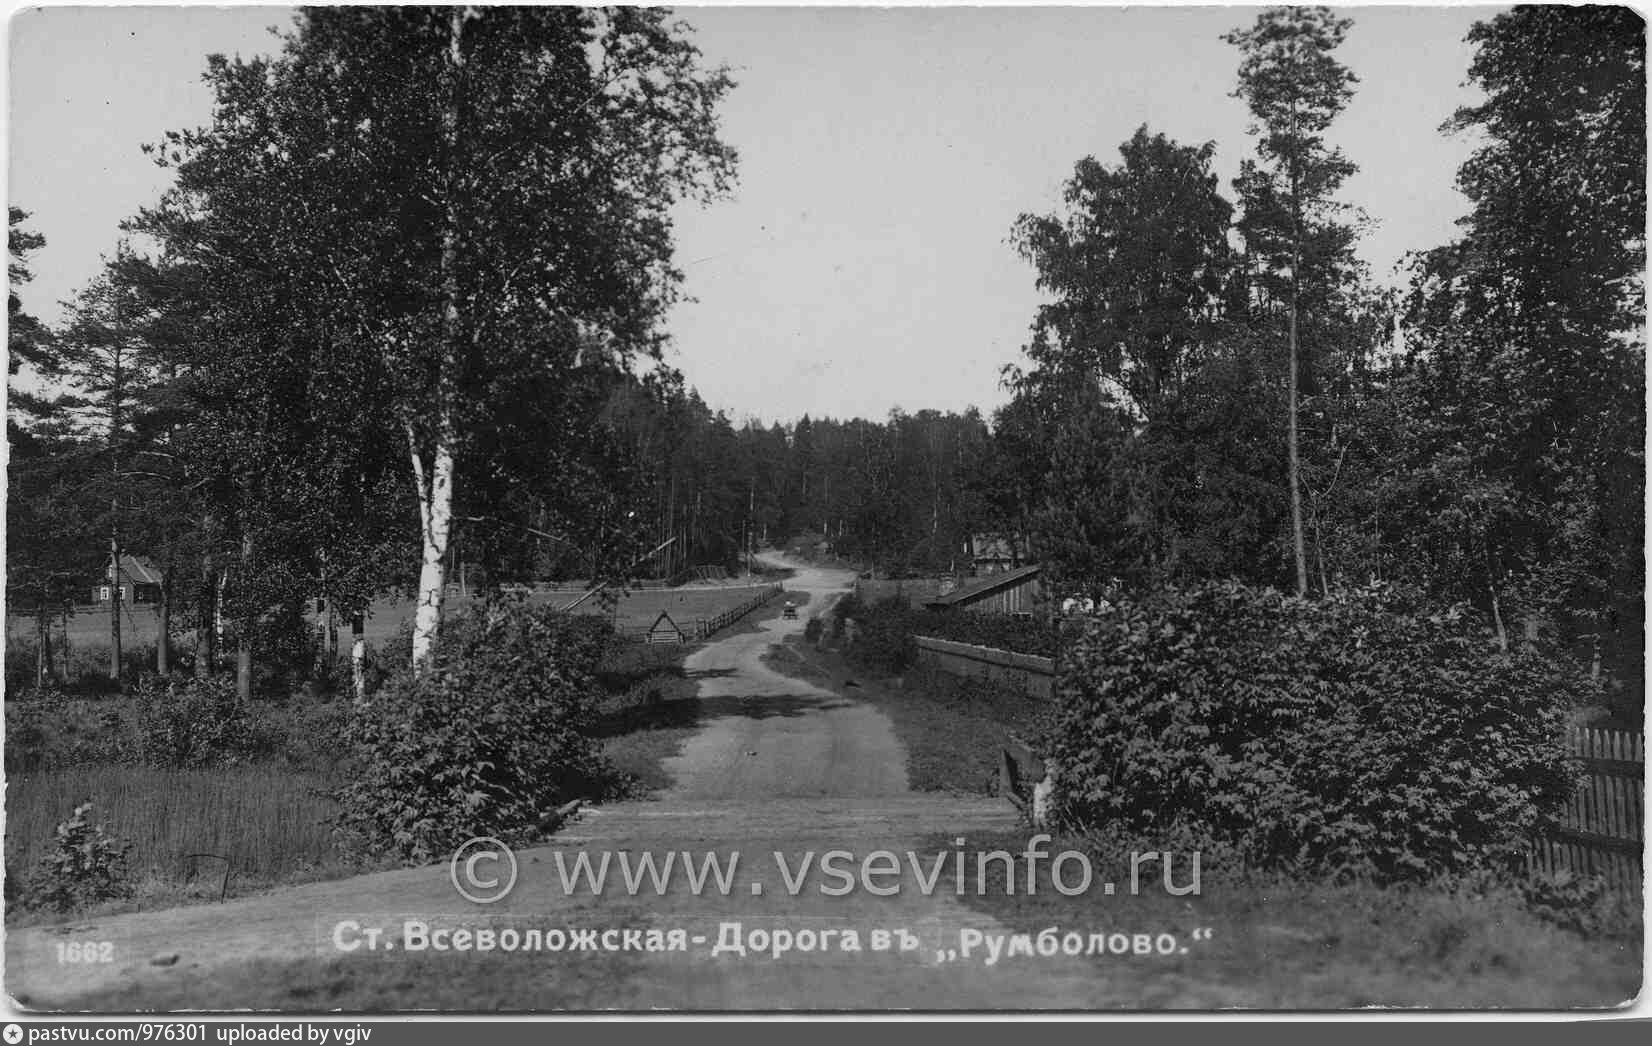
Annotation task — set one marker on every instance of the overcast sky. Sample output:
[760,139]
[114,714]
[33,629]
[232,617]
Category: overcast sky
[862,262]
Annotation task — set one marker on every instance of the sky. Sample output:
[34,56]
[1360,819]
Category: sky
[862,262]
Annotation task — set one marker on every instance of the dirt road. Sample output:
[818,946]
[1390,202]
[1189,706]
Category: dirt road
[771,736]
[782,772]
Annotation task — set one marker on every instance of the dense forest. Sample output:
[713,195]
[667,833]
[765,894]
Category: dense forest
[1215,386]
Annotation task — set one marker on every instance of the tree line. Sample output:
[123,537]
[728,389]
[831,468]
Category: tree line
[1217,388]
[403,310]
[379,311]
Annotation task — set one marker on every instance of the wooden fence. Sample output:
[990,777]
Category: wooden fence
[705,628]
[1604,826]
[1034,676]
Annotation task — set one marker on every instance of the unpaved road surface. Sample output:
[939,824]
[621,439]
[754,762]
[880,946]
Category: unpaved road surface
[782,772]
[771,736]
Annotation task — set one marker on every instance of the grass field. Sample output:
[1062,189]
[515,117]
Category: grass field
[269,818]
[88,627]
[269,821]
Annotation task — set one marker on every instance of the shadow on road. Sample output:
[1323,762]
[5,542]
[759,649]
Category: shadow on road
[768,707]
[661,715]
[692,712]
[709,673]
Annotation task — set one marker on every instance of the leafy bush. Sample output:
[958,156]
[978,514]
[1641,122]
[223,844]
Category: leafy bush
[624,665]
[1020,635]
[86,866]
[1584,904]
[187,723]
[498,729]
[25,732]
[47,729]
[813,629]
[1362,733]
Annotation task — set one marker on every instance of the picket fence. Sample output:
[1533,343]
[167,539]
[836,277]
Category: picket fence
[1603,829]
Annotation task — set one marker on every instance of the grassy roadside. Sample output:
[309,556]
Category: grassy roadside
[952,729]
[267,819]
[647,723]
[1276,943]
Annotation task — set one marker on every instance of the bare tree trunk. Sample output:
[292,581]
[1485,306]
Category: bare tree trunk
[1319,554]
[163,628]
[243,662]
[243,634]
[43,646]
[329,624]
[1298,541]
[65,657]
[114,605]
[206,650]
[1496,609]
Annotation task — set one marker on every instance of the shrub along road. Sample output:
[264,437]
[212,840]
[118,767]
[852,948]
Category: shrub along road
[779,765]
[787,765]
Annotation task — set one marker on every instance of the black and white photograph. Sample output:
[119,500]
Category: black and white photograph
[563,510]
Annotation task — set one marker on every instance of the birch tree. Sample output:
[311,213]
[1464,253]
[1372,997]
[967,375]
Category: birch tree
[471,207]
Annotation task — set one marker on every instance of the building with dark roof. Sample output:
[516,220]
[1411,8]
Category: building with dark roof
[1016,591]
[996,553]
[140,581]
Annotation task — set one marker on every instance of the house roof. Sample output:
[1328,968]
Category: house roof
[993,546]
[983,587]
[139,569]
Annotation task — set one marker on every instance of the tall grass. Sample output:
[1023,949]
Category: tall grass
[83,669]
[268,821]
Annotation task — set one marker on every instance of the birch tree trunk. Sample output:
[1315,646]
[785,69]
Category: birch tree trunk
[358,658]
[436,484]
[436,517]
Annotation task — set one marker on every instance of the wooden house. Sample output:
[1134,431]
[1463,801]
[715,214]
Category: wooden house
[1016,591]
[140,582]
[996,553]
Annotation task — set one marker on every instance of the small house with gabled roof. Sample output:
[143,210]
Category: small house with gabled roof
[140,582]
